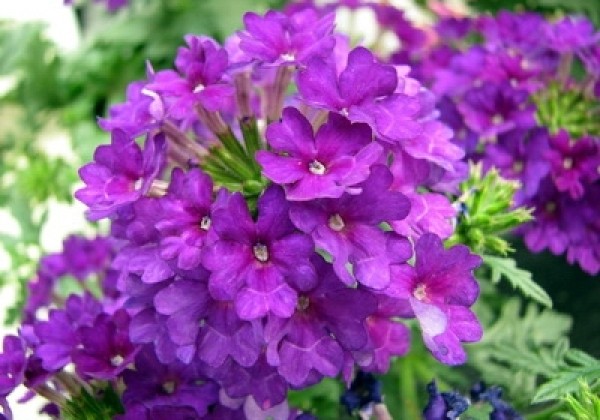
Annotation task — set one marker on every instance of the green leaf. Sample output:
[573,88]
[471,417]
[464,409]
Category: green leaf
[520,279]
[577,368]
[517,350]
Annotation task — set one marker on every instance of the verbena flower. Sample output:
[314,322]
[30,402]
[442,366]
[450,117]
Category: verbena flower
[260,240]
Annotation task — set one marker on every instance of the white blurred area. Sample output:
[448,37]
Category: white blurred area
[63,219]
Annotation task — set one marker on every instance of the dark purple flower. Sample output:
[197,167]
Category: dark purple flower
[143,109]
[349,230]
[104,350]
[166,391]
[365,389]
[260,381]
[329,320]
[362,81]
[494,109]
[326,164]
[252,263]
[120,174]
[574,162]
[440,290]
[520,155]
[445,405]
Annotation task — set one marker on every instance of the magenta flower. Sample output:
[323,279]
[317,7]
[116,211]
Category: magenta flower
[120,174]
[202,66]
[440,289]
[326,164]
[277,38]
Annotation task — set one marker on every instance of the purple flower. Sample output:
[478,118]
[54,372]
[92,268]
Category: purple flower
[185,224]
[362,81]
[326,164]
[349,230]
[58,336]
[252,263]
[276,38]
[142,111]
[120,174]
[440,290]
[574,163]
[202,66]
[260,381]
[492,109]
[12,364]
[329,320]
[570,34]
[521,155]
[445,405]
[522,31]
[166,391]
[104,350]
[84,256]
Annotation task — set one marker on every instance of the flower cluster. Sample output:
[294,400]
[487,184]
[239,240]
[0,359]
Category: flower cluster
[525,100]
[262,239]
[521,94]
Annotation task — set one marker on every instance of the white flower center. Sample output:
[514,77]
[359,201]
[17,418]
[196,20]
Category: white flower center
[568,163]
[336,222]
[261,253]
[316,167]
[205,223]
[116,360]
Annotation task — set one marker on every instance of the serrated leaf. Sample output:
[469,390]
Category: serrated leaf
[565,383]
[519,278]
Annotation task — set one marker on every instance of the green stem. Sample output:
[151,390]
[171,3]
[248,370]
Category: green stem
[251,138]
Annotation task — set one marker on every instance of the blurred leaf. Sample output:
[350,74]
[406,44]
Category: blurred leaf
[574,369]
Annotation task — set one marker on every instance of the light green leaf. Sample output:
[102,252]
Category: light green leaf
[566,383]
[520,279]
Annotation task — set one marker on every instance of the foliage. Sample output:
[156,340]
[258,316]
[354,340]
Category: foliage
[101,404]
[485,212]
[583,405]
[523,346]
[519,278]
